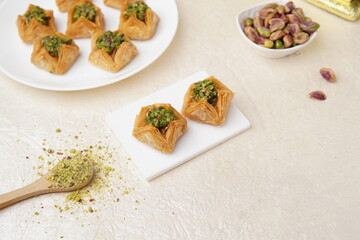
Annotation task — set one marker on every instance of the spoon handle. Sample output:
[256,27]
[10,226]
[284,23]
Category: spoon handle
[34,189]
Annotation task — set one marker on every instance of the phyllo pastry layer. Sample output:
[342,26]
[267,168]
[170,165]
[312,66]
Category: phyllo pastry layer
[66,5]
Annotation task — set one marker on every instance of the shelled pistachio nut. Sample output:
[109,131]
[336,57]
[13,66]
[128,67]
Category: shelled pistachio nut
[279,44]
[301,37]
[268,18]
[309,27]
[276,24]
[265,43]
[292,18]
[293,28]
[264,32]
[288,41]
[266,11]
[251,33]
[289,6]
[298,12]
[248,21]
[277,35]
[258,22]
[280,9]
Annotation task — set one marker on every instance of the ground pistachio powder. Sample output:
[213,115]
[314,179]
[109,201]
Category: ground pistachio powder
[72,171]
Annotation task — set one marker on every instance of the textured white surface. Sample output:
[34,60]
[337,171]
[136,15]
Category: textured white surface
[197,139]
[293,175]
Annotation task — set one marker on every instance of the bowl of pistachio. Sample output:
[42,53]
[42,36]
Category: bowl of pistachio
[276,29]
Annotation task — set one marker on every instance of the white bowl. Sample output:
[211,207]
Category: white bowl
[266,52]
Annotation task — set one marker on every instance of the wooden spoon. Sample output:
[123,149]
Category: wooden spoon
[39,187]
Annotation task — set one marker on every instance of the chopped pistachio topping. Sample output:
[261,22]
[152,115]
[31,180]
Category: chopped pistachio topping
[72,171]
[110,41]
[139,8]
[86,10]
[38,14]
[52,45]
[205,89]
[160,117]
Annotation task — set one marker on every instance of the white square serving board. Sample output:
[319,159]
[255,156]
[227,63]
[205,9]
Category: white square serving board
[197,139]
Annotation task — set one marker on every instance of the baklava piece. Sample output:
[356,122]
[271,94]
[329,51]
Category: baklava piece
[111,50]
[84,18]
[207,101]
[55,53]
[36,22]
[138,21]
[159,126]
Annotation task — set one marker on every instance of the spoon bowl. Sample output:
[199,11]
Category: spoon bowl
[39,187]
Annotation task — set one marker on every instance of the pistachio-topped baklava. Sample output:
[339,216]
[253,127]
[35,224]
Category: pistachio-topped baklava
[84,18]
[111,50]
[159,125]
[207,101]
[54,53]
[36,22]
[138,21]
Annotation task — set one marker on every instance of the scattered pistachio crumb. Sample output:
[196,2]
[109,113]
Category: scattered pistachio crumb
[90,209]
[58,130]
[36,213]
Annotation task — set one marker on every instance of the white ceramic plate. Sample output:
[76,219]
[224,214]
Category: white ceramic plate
[197,139]
[15,55]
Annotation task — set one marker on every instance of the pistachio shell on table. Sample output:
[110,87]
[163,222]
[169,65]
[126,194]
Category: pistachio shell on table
[276,24]
[293,28]
[298,12]
[289,6]
[264,32]
[267,19]
[248,21]
[271,5]
[265,43]
[309,27]
[301,37]
[266,11]
[293,19]
[279,44]
[251,33]
[288,41]
[277,35]
[258,22]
